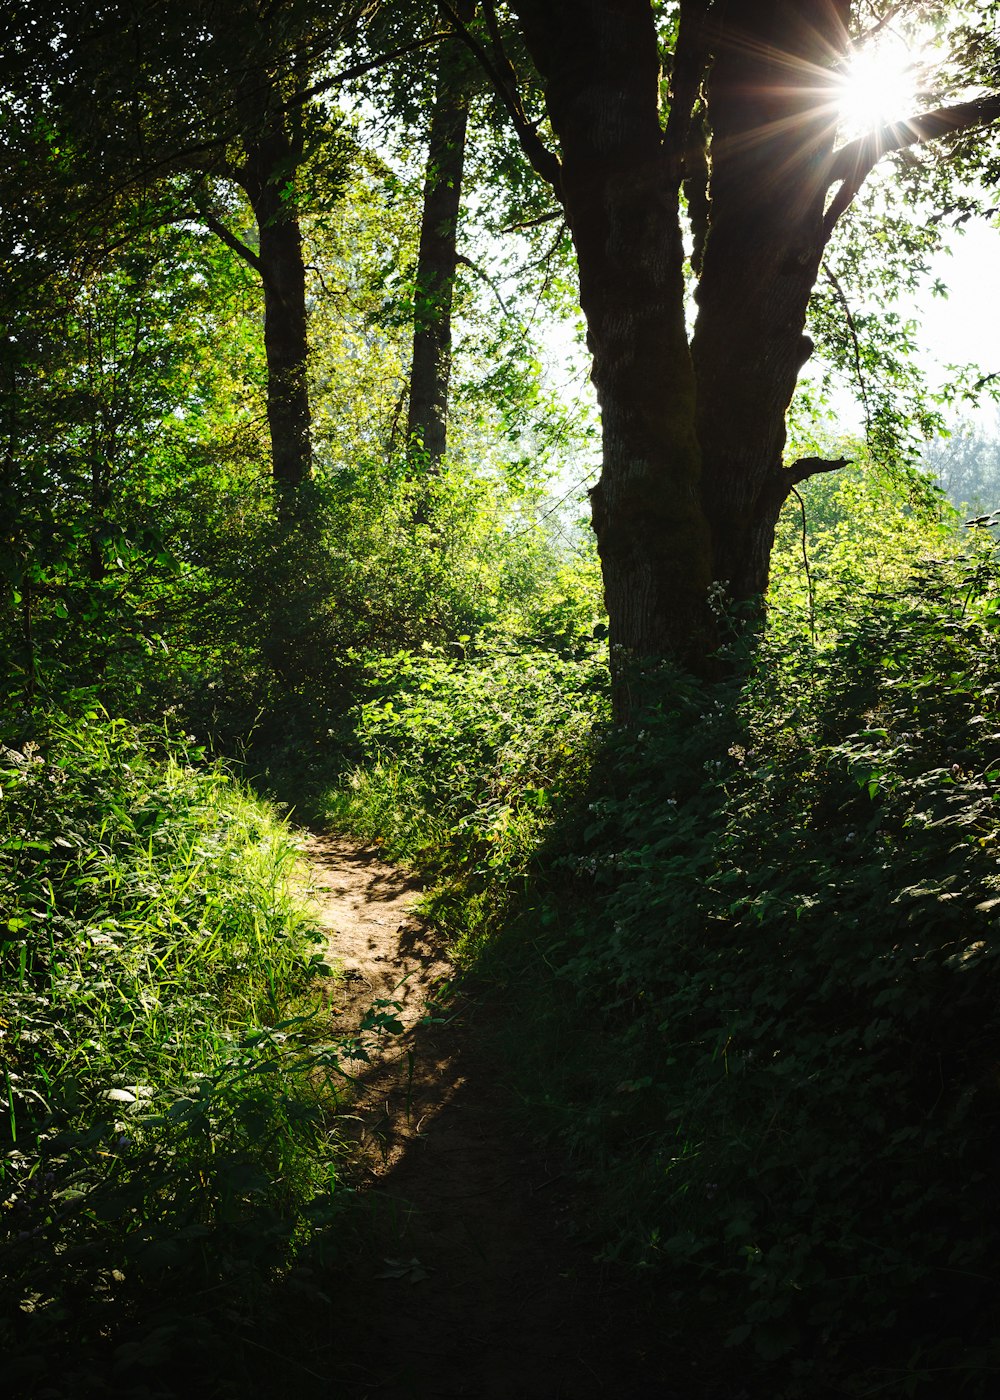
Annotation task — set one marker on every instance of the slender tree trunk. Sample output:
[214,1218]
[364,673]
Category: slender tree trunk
[282,271]
[14,548]
[99,500]
[27,636]
[437,260]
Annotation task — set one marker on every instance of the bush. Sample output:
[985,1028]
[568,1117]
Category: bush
[747,948]
[466,765]
[792,965]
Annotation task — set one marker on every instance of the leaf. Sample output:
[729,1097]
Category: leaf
[153,1350]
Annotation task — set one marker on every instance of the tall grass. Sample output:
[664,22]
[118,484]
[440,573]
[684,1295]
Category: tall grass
[167,1144]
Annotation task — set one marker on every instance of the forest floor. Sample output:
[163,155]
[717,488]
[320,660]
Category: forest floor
[471,1278]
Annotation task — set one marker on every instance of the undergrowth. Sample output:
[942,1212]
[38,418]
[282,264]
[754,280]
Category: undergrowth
[167,1147]
[751,969]
[468,764]
[793,969]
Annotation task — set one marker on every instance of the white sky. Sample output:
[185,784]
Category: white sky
[966,326]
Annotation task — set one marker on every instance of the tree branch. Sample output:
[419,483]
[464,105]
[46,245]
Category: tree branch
[542,160]
[690,58]
[883,22]
[216,226]
[853,163]
[299,99]
[685,138]
[852,327]
[810,466]
[463,261]
[534,223]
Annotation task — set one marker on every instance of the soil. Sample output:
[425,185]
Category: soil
[473,1279]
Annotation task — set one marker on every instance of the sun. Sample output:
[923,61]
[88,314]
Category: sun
[878,86]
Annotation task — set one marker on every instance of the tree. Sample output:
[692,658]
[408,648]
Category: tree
[259,73]
[966,462]
[437,260]
[693,475]
[192,103]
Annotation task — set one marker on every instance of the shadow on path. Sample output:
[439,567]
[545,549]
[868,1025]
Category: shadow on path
[470,1279]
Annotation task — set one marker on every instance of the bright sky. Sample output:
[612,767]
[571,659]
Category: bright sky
[882,83]
[966,326]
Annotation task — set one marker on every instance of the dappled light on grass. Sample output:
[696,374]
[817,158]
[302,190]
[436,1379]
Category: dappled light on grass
[167,1145]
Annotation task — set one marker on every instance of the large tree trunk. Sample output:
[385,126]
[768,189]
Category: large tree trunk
[772,138]
[692,478]
[437,260]
[268,159]
[600,65]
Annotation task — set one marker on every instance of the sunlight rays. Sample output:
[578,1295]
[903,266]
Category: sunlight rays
[878,86]
[830,89]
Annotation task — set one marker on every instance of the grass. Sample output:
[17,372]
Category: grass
[169,1146]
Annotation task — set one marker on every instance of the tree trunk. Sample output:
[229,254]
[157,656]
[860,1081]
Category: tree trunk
[437,260]
[601,69]
[692,478]
[268,163]
[771,144]
[100,496]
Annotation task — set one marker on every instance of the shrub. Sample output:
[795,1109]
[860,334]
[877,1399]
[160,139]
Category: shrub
[467,764]
[792,961]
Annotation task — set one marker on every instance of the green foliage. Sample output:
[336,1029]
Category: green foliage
[112,394]
[143,554]
[784,952]
[468,763]
[753,956]
[165,1149]
[848,535]
[747,948]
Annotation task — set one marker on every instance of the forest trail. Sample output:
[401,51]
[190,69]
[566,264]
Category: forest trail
[471,1281]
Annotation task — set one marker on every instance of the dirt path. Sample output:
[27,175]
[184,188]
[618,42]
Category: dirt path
[469,1282]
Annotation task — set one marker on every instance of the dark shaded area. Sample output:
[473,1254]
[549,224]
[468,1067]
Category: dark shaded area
[496,1292]
[470,1267]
